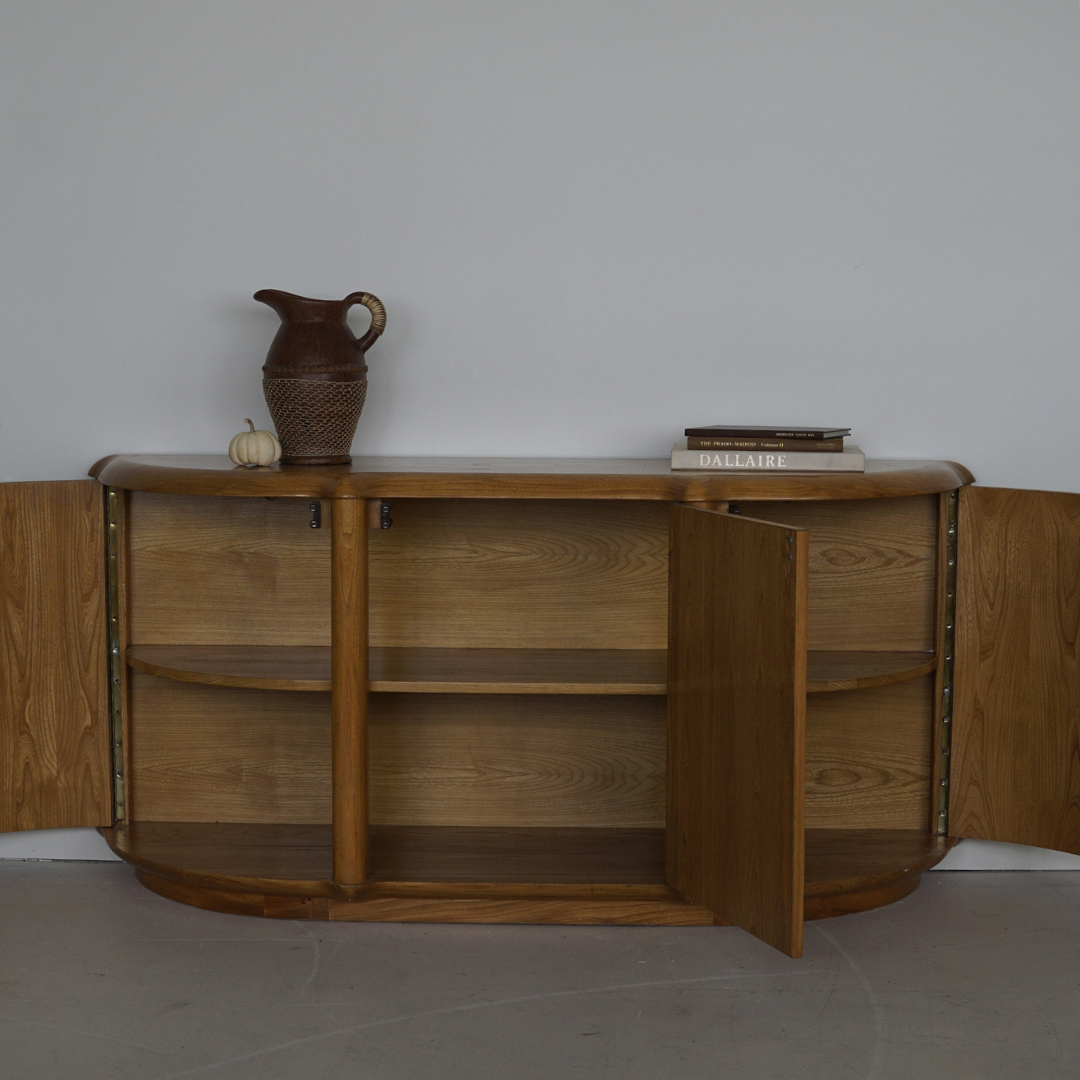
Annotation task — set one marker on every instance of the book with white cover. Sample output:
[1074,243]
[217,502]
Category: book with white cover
[851,459]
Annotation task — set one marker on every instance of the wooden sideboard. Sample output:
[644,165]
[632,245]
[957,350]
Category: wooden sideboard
[539,690]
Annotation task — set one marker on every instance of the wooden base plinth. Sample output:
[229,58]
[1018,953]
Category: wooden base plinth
[827,907]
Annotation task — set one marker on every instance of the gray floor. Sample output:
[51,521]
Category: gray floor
[975,975]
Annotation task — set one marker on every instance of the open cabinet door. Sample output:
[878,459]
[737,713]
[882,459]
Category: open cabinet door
[54,709]
[737,720]
[1016,717]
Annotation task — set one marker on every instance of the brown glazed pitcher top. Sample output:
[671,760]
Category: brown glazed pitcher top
[314,340]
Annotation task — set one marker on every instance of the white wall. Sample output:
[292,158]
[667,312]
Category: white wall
[592,223]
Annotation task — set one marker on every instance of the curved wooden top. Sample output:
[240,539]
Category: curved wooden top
[515,478]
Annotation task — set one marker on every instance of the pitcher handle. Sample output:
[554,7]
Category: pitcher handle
[378,316]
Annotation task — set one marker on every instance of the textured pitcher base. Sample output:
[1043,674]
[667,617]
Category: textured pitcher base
[315,420]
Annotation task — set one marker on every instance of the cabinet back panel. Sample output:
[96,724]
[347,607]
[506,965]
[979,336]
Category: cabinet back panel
[472,573]
[221,571]
[873,567]
[452,759]
[207,753]
[211,753]
[868,757]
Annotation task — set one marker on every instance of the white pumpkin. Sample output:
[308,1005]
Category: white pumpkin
[254,447]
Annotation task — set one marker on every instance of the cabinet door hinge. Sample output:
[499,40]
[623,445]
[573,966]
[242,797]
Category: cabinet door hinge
[948,653]
[116,660]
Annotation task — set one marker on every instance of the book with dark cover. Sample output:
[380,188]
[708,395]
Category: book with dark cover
[724,431]
[808,446]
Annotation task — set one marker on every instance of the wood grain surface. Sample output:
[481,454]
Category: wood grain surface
[205,753]
[827,670]
[257,667]
[473,875]
[846,860]
[517,761]
[430,671]
[349,690]
[736,728]
[210,571]
[873,570]
[492,863]
[1016,718]
[54,714]
[298,857]
[849,870]
[268,857]
[520,671]
[868,757]
[208,753]
[516,478]
[848,903]
[539,907]
[525,856]
[504,760]
[516,574]
[489,671]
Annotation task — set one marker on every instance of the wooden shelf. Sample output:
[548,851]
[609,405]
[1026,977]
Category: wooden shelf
[297,858]
[856,869]
[826,671]
[419,874]
[542,856]
[519,671]
[490,671]
[276,858]
[414,671]
[256,667]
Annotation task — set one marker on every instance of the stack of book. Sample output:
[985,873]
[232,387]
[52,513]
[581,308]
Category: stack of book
[723,448]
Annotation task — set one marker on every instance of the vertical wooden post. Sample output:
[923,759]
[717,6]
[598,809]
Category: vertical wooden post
[349,695]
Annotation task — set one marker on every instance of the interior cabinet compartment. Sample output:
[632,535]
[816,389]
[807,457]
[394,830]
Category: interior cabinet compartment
[873,589]
[529,739]
[209,570]
[534,605]
[517,761]
[831,778]
[564,774]
[872,580]
[466,596]
[520,574]
[868,757]
[209,753]
[499,787]
[868,796]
